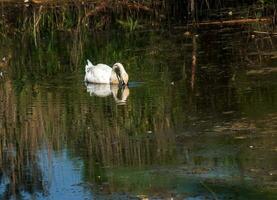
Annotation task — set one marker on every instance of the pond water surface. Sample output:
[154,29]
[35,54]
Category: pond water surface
[197,121]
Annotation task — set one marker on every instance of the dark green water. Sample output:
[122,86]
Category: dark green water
[182,130]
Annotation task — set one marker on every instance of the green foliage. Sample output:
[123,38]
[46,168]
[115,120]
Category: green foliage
[267,2]
[130,24]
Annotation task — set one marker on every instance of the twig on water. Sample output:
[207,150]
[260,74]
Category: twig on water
[209,189]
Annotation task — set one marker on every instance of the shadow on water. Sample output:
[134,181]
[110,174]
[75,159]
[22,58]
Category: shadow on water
[198,120]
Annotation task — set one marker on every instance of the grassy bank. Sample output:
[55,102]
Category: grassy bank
[43,15]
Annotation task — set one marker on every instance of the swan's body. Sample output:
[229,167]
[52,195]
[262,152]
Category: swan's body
[102,73]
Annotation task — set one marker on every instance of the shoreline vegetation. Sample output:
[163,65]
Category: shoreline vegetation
[40,15]
[37,20]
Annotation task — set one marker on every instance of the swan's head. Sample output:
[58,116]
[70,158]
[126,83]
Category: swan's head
[121,74]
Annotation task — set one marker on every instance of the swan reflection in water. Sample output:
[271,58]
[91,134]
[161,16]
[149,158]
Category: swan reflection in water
[120,93]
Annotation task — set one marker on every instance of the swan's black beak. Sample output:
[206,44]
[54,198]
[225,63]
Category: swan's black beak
[122,83]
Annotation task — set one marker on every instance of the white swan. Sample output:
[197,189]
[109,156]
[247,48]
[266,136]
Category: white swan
[120,93]
[102,73]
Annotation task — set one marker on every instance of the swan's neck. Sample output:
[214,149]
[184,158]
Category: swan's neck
[119,74]
[122,70]
[114,78]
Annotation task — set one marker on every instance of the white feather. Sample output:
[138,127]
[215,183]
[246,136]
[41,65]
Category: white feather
[99,73]
[89,65]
